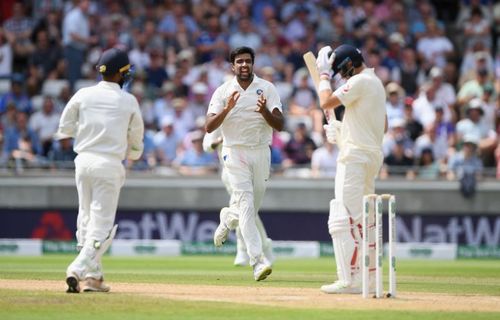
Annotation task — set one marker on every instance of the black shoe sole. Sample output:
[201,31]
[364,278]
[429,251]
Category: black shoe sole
[73,285]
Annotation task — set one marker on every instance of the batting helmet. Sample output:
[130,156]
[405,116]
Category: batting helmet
[347,58]
[112,61]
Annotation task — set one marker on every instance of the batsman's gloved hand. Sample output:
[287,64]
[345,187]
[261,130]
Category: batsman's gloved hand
[332,131]
[324,61]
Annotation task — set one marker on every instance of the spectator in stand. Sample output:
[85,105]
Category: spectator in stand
[6,55]
[445,130]
[16,95]
[139,55]
[477,28]
[466,166]
[184,119]
[408,73]
[303,104]
[197,104]
[175,19]
[398,162]
[472,126]
[245,36]
[163,104]
[61,155]
[424,105]
[14,135]
[434,48]
[46,61]
[166,142]
[445,93]
[8,118]
[428,168]
[77,39]
[155,73]
[412,126]
[397,133]
[324,161]
[18,30]
[45,123]
[195,161]
[473,88]
[299,149]
[211,39]
[394,104]
[475,59]
[431,139]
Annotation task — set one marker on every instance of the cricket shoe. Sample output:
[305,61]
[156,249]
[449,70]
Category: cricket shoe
[222,231]
[73,284]
[95,285]
[341,287]
[262,269]
[241,258]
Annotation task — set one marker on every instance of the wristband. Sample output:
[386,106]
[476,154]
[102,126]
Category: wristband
[324,85]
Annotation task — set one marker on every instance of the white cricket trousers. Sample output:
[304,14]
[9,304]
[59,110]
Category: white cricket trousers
[240,242]
[99,179]
[355,177]
[247,171]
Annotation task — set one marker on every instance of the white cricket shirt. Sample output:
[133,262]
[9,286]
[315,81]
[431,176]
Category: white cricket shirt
[104,120]
[363,96]
[243,126]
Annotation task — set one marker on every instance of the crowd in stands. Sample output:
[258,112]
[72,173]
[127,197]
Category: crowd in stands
[439,62]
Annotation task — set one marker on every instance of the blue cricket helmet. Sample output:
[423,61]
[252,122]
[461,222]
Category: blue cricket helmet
[347,58]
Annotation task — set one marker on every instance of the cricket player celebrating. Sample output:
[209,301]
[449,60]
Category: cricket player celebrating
[107,126]
[213,141]
[359,137]
[247,108]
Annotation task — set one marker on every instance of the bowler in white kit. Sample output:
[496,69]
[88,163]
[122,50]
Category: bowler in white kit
[359,138]
[107,126]
[247,109]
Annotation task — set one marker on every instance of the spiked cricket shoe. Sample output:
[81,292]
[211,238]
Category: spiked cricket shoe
[340,287]
[95,285]
[73,284]
[262,269]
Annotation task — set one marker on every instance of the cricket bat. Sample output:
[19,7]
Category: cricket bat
[310,61]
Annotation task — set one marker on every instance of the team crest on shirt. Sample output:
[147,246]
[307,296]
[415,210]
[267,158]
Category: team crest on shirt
[259,92]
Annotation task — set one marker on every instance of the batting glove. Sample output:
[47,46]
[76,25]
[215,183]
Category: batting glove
[332,131]
[324,61]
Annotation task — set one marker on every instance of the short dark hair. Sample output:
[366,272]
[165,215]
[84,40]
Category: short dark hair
[241,50]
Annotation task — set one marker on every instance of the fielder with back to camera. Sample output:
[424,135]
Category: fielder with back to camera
[213,142]
[359,138]
[107,126]
[247,109]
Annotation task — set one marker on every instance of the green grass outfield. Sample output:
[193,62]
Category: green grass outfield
[460,278]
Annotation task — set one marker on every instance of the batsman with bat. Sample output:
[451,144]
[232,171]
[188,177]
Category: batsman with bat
[359,138]
[107,126]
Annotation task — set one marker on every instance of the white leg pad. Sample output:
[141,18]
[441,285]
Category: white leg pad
[344,242]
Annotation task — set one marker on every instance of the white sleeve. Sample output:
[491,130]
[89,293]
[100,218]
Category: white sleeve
[350,91]
[68,124]
[273,99]
[135,134]
[216,102]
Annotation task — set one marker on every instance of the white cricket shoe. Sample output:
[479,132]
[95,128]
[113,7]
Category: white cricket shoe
[341,287]
[95,285]
[241,258]
[262,269]
[222,231]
